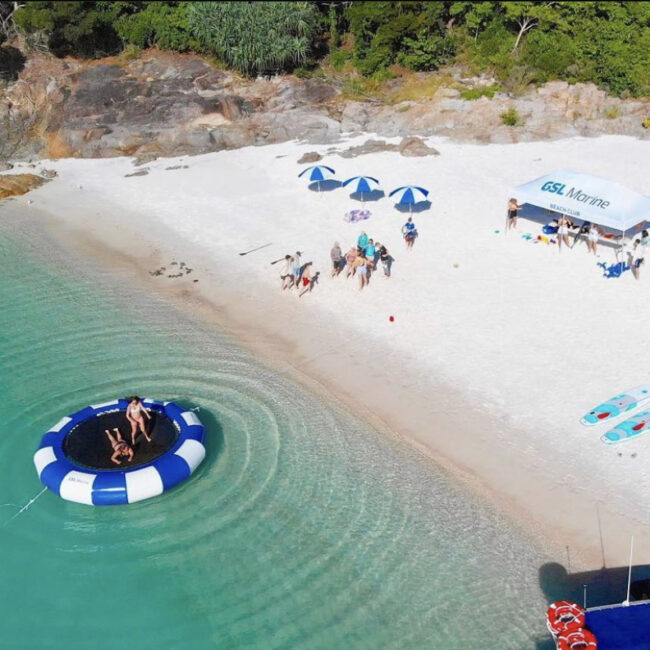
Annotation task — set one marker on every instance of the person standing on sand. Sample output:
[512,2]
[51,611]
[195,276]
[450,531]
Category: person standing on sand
[513,212]
[337,259]
[369,252]
[350,256]
[386,260]
[362,242]
[638,257]
[563,231]
[628,251]
[297,268]
[409,231]
[308,280]
[305,278]
[592,238]
[286,272]
[361,271]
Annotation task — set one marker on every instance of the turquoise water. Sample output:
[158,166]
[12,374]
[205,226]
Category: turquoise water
[304,528]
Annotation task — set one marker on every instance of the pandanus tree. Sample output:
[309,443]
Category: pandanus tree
[255,37]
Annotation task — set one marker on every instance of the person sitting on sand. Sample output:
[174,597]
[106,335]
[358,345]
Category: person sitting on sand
[362,242]
[121,449]
[350,256]
[409,231]
[135,414]
[337,259]
[513,212]
[286,272]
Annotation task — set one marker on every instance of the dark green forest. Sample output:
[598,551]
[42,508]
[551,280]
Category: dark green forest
[531,42]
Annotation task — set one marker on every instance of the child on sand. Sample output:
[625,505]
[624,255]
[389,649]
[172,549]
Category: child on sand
[513,211]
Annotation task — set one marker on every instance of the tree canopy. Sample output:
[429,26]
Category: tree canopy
[603,42]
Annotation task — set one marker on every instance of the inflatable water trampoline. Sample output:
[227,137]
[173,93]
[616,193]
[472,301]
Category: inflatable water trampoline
[74,457]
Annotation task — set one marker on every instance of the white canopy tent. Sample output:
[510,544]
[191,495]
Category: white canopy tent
[586,197]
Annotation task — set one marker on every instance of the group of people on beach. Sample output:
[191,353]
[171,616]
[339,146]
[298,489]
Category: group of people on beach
[360,260]
[294,273]
[634,248]
[135,414]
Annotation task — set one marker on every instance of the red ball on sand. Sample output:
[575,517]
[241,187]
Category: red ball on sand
[391,318]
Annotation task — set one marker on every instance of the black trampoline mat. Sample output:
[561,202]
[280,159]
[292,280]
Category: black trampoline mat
[88,445]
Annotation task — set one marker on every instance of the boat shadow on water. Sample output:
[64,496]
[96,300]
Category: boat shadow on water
[604,586]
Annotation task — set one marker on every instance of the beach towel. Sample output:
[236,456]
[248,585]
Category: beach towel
[356,215]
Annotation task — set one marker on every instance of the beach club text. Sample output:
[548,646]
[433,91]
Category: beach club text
[575,194]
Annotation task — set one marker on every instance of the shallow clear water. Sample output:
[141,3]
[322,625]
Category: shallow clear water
[303,528]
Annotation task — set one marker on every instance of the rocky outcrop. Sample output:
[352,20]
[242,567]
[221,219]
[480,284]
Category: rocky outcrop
[165,104]
[410,147]
[17,184]
[309,157]
[416,147]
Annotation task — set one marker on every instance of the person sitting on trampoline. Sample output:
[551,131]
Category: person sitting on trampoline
[135,414]
[121,449]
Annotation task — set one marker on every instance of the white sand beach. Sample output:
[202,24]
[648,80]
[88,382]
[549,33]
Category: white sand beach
[498,345]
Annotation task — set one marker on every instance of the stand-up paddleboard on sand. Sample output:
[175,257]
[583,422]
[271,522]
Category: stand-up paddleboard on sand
[631,428]
[614,406]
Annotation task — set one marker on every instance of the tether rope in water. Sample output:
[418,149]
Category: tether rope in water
[25,507]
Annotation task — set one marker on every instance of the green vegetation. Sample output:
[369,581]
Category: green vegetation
[161,24]
[476,93]
[517,42]
[257,37]
[511,118]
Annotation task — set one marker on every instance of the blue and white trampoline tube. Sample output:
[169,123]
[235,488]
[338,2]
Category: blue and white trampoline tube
[74,480]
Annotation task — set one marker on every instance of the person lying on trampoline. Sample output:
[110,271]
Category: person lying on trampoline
[135,414]
[121,449]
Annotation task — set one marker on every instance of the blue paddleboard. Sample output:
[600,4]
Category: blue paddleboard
[615,406]
[631,428]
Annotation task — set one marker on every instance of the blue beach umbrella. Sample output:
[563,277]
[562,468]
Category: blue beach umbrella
[409,195]
[362,185]
[317,174]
